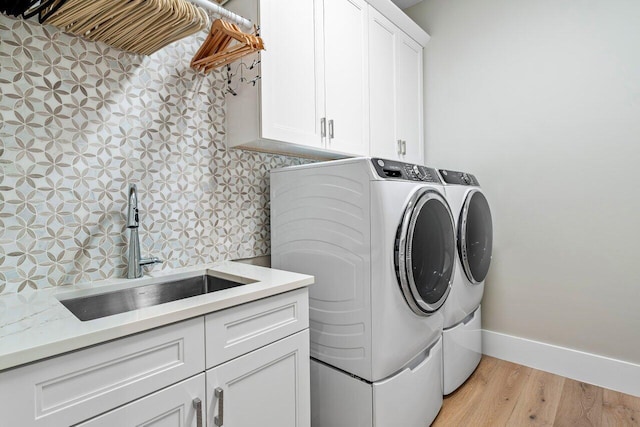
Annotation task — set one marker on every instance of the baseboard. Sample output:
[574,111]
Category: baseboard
[586,367]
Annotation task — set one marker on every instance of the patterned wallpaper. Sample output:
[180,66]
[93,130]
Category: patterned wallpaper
[79,121]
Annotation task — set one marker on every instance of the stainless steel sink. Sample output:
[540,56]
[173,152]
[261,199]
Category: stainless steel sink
[123,300]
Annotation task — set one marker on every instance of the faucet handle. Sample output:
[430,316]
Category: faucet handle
[149,261]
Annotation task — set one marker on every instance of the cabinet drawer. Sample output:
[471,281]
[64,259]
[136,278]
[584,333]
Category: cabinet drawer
[67,389]
[173,406]
[239,330]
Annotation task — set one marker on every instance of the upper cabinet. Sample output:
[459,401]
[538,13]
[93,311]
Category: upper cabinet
[395,73]
[320,94]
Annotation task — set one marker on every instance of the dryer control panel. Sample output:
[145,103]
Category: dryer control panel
[458,178]
[392,169]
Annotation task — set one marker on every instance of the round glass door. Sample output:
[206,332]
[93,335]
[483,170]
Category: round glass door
[425,252]
[475,239]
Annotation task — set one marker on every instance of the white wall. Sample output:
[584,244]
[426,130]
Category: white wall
[541,100]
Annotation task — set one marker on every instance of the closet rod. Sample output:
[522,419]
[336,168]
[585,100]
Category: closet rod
[208,5]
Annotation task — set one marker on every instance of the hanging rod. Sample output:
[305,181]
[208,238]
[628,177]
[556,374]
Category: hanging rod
[208,5]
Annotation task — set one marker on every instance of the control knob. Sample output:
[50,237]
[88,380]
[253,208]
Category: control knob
[417,172]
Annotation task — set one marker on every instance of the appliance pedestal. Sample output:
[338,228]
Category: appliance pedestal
[410,398]
[462,351]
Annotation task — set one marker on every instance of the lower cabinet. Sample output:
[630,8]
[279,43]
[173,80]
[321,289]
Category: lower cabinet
[267,387]
[256,374]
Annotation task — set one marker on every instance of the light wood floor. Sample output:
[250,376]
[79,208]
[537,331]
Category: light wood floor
[501,393]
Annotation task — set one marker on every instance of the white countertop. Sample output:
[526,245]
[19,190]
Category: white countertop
[39,326]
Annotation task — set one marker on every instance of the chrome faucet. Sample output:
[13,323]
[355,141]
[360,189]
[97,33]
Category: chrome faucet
[135,261]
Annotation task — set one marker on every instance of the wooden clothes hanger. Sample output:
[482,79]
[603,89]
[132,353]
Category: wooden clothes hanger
[139,26]
[217,49]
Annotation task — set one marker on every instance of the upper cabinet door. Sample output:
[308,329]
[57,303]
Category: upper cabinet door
[346,71]
[289,73]
[395,72]
[409,117]
[382,51]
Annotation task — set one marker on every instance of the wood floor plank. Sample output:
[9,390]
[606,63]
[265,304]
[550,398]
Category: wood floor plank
[580,405]
[619,409]
[457,403]
[499,397]
[539,400]
[500,394]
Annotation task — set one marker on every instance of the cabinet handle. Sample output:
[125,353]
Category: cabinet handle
[331,129]
[323,127]
[404,147]
[197,405]
[399,146]
[219,419]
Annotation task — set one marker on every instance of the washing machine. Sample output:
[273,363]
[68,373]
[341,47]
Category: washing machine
[379,237]
[462,335]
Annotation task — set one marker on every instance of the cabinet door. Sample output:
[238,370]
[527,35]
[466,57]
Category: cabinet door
[268,387]
[175,406]
[409,97]
[290,84]
[346,71]
[382,51]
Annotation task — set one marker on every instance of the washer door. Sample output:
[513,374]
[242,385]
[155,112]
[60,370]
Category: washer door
[425,251]
[475,236]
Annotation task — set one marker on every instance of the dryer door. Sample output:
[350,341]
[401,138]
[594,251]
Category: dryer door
[475,236]
[425,251]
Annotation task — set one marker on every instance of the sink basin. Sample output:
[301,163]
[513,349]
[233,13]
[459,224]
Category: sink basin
[109,303]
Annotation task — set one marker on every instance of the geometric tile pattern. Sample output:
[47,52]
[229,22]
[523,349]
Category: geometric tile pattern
[79,121]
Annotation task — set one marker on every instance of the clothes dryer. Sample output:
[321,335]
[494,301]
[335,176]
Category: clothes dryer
[462,335]
[379,237]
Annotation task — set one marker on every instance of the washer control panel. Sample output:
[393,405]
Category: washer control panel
[458,178]
[391,169]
